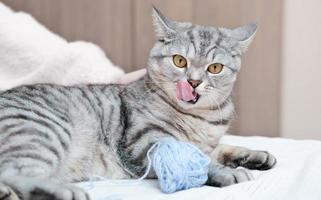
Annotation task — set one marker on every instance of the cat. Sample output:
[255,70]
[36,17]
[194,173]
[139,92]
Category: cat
[52,136]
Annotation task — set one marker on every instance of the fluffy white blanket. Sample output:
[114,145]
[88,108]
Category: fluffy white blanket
[30,53]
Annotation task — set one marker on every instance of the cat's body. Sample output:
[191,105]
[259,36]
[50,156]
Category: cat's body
[104,127]
[68,134]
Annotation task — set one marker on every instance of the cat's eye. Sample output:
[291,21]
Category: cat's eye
[179,61]
[215,68]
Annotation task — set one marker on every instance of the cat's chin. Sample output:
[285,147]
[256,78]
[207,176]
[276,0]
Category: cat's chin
[195,100]
[186,105]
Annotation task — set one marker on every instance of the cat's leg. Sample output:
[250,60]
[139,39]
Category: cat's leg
[234,156]
[17,184]
[226,158]
[6,193]
[26,188]
[221,176]
[19,181]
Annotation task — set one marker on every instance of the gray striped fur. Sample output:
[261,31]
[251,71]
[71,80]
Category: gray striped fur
[67,134]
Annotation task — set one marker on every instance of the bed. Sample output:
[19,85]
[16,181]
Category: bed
[296,175]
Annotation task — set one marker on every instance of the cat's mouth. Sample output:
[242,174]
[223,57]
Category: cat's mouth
[185,92]
[193,101]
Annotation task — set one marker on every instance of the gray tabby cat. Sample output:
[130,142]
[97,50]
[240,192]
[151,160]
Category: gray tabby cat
[54,135]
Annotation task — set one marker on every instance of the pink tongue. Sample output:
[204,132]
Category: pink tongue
[184,91]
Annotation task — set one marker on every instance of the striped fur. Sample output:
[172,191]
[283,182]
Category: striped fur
[67,134]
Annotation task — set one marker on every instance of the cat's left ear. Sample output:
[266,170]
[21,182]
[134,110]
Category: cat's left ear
[165,28]
[244,35]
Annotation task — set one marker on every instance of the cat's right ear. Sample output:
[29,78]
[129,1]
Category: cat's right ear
[244,35]
[165,29]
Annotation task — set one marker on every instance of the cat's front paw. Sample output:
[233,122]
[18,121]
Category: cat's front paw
[6,193]
[225,176]
[58,192]
[260,160]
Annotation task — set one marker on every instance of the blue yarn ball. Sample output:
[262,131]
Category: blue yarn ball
[179,165]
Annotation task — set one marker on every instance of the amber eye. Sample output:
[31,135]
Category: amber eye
[179,61]
[215,68]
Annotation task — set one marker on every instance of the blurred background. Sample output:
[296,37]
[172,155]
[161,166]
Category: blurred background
[278,92]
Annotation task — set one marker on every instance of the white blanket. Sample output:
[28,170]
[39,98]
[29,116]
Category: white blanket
[30,53]
[296,175]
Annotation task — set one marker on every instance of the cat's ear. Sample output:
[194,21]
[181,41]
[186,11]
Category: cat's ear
[165,28]
[244,35]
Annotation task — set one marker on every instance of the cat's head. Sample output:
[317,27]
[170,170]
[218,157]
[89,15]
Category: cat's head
[196,66]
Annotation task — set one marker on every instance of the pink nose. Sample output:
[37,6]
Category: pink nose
[194,83]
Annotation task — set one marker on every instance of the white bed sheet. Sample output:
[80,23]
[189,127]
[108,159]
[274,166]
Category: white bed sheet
[296,175]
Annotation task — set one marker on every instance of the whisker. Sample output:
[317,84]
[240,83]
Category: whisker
[218,106]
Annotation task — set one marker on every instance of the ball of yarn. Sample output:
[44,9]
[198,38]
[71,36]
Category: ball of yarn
[179,165]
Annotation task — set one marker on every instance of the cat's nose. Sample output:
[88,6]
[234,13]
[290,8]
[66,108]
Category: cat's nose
[194,83]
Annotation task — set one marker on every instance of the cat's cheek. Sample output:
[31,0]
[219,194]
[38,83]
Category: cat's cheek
[201,89]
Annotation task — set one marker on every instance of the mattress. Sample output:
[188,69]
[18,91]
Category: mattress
[296,175]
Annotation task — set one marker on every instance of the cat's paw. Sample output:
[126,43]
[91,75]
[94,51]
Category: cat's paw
[6,193]
[226,176]
[58,192]
[260,160]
